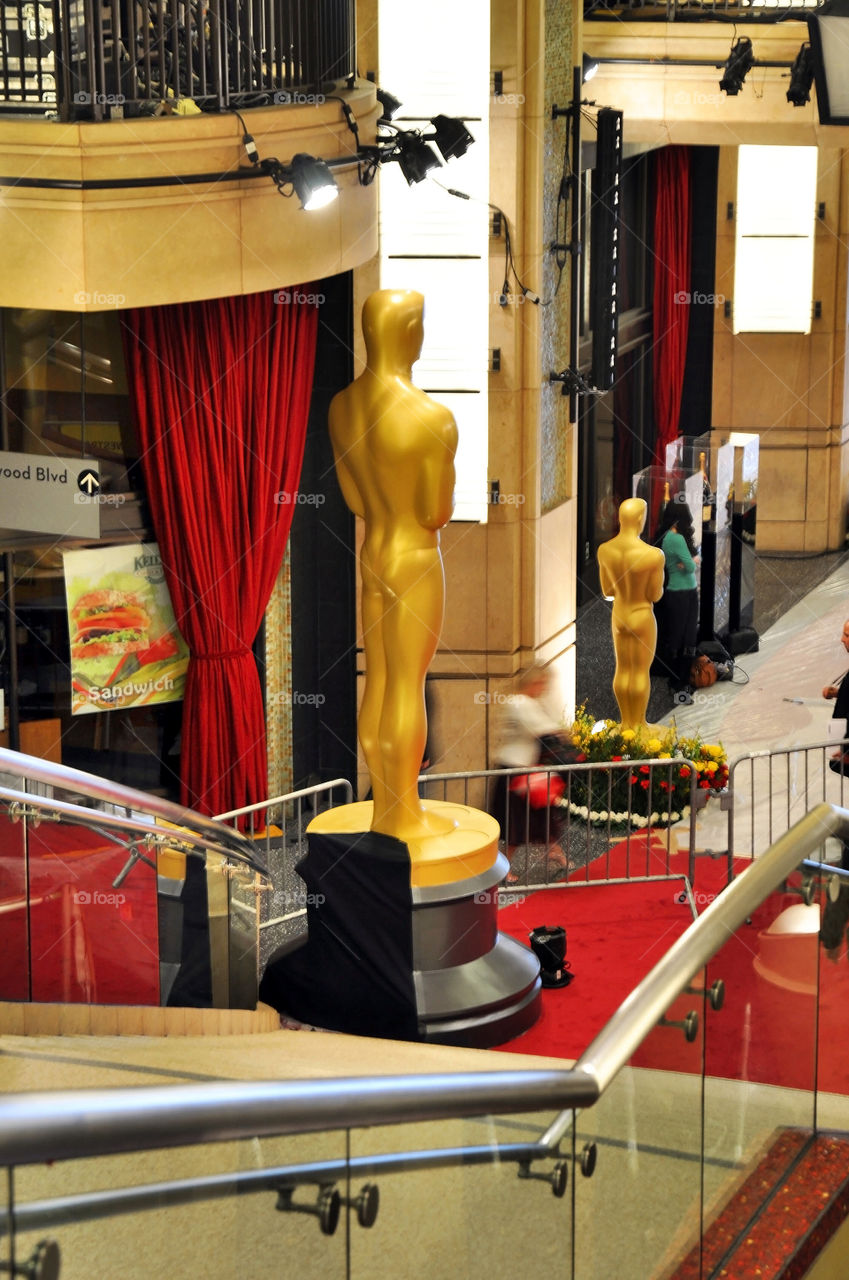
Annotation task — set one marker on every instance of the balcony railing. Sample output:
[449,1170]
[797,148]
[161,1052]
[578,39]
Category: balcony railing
[86,60]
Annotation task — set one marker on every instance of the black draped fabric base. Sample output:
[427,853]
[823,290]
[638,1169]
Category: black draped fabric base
[354,971]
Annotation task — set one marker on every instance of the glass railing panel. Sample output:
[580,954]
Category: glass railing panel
[239,1226]
[90,941]
[639,1211]
[760,1056]
[475,1220]
[831,892]
[14,917]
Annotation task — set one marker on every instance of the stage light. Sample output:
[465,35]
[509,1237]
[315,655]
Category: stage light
[801,77]
[589,67]
[829,32]
[314,184]
[741,59]
[415,157]
[451,136]
[391,106]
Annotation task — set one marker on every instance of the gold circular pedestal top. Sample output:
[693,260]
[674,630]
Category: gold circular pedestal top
[470,848]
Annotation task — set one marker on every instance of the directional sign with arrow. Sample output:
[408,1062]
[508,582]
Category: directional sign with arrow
[88,481]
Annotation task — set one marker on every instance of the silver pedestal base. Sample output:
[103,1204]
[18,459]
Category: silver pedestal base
[474,986]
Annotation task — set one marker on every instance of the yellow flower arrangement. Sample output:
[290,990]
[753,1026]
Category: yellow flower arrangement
[643,795]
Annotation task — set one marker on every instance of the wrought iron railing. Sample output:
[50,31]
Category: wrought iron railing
[88,60]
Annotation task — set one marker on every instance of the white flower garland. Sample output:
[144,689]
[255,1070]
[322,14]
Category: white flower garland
[603,816]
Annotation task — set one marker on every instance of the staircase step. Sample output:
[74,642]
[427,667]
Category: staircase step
[782,1214]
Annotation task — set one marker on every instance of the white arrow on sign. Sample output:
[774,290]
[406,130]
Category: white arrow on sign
[88,481]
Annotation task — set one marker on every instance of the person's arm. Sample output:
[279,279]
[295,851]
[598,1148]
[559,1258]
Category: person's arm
[679,551]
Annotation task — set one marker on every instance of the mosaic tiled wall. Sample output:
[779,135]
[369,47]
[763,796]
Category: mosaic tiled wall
[278,683]
[555,431]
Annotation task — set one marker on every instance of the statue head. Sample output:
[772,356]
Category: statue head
[632,515]
[393,326]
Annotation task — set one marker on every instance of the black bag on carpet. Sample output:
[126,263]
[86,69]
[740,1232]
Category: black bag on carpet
[548,943]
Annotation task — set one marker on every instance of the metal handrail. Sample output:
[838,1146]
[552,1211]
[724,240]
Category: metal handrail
[213,834]
[275,802]
[73,1124]
[97,819]
[95,1205]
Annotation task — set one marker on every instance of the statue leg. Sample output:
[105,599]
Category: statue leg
[368,724]
[411,630]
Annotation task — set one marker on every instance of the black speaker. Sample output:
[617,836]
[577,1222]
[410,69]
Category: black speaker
[604,237]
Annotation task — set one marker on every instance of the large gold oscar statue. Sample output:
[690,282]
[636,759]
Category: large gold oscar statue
[631,574]
[394,449]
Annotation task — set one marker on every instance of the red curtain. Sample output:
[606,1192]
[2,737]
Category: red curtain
[672,298]
[221,391]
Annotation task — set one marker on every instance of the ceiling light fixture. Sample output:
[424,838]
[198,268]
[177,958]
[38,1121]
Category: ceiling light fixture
[313,182]
[450,135]
[414,156]
[741,59]
[801,77]
[389,104]
[589,67]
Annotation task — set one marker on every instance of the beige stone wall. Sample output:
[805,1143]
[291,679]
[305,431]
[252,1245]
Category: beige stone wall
[96,249]
[789,388]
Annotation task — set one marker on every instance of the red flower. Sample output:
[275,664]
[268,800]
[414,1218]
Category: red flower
[644,783]
[634,779]
[580,757]
[616,757]
[644,768]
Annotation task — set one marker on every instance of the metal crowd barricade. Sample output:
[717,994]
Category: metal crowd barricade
[771,790]
[589,839]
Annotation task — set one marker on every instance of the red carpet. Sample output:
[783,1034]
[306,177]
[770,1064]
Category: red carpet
[766,1031]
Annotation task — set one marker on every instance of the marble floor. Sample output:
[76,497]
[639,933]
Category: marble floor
[774,705]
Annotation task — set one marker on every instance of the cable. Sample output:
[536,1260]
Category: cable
[509,262]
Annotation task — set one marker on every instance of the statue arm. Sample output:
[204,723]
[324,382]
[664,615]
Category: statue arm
[605,579]
[435,483]
[350,491]
[655,584]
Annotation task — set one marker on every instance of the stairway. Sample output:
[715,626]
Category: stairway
[780,1217]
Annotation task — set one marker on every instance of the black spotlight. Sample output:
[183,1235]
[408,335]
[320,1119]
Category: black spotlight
[391,106]
[416,158]
[589,66]
[314,184]
[741,59]
[451,136]
[801,77]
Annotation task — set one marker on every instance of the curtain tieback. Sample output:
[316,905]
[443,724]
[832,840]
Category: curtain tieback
[223,653]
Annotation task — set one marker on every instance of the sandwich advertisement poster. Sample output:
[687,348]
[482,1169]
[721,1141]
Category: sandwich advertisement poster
[126,650]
